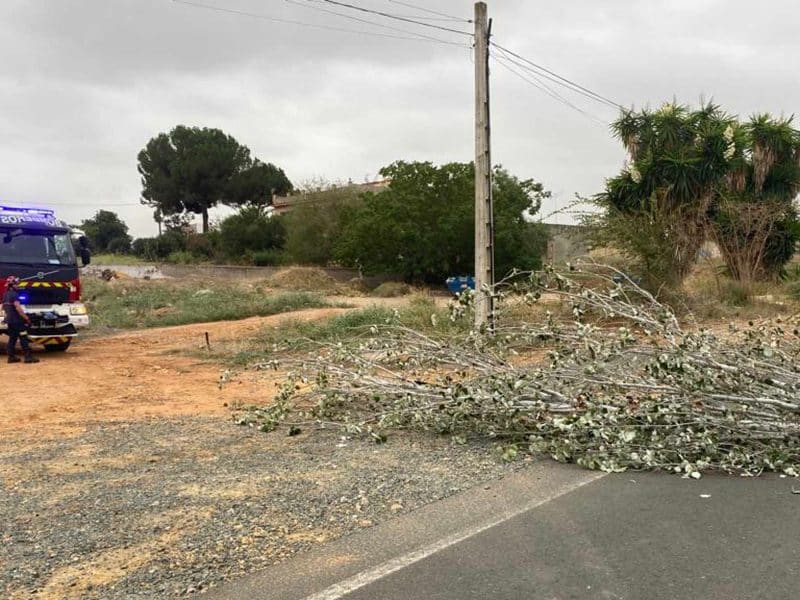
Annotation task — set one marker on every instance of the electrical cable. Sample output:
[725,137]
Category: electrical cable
[432,12]
[373,23]
[301,23]
[395,17]
[546,89]
[556,78]
[539,76]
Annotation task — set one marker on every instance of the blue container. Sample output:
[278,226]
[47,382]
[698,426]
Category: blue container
[456,285]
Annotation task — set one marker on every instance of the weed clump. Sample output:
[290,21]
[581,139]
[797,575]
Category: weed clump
[391,289]
[304,279]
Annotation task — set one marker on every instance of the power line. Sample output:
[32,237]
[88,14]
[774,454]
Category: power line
[556,78]
[540,75]
[444,16]
[396,17]
[540,85]
[251,15]
[373,23]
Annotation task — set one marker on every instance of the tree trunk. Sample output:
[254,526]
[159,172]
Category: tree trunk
[205,220]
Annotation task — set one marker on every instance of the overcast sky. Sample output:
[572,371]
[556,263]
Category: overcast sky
[84,85]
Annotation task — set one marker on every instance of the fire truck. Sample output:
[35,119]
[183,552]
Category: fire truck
[41,250]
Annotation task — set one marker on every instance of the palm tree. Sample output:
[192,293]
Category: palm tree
[694,174]
[756,223]
[676,162]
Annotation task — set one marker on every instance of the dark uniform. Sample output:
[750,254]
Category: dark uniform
[17,327]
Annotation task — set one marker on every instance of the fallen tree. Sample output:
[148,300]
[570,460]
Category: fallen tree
[620,384]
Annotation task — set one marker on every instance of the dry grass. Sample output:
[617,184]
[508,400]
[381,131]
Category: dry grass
[709,294]
[391,289]
[304,279]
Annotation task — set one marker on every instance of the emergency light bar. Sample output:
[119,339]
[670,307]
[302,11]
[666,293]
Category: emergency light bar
[28,211]
[36,218]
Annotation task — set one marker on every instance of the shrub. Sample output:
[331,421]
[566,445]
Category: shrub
[422,227]
[735,293]
[120,245]
[267,258]
[391,289]
[642,239]
[250,231]
[304,278]
[202,245]
[793,289]
[159,248]
[182,257]
[315,224]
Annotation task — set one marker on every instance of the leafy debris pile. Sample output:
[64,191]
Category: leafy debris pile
[619,384]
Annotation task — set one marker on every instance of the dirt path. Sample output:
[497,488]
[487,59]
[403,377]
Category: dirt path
[142,374]
[133,375]
[122,474]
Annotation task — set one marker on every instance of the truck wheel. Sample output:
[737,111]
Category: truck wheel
[57,347]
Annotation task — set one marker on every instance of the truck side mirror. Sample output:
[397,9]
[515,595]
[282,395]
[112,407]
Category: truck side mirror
[83,250]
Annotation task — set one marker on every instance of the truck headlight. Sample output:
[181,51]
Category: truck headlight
[78,310]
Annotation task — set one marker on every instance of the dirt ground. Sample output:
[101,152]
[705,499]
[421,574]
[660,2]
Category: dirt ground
[122,474]
[139,374]
[131,376]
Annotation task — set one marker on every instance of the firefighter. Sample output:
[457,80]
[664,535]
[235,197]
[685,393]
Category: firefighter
[17,322]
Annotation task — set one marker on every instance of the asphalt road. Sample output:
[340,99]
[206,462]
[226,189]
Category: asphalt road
[629,536]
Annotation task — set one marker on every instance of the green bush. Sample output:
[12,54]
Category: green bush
[120,245]
[391,289]
[159,248]
[144,248]
[648,252]
[793,289]
[315,224]
[202,245]
[422,227]
[735,293]
[267,258]
[248,232]
[182,257]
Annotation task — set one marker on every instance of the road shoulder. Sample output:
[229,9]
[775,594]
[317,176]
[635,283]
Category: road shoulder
[354,561]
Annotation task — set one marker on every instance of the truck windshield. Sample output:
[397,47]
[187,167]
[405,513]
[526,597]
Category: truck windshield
[32,248]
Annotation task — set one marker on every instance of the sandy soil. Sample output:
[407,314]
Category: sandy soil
[140,374]
[130,376]
[122,474]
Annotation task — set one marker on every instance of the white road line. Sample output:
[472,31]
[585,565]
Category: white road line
[341,589]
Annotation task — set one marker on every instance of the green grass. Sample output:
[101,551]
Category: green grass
[135,304]
[293,335]
[117,259]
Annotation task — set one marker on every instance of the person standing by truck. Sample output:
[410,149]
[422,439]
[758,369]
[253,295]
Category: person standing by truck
[17,323]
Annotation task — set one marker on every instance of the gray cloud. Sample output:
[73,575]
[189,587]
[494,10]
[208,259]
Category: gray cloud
[85,83]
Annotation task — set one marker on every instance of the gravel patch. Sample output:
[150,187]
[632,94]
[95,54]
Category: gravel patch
[171,507]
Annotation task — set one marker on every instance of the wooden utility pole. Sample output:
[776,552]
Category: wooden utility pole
[484,219]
